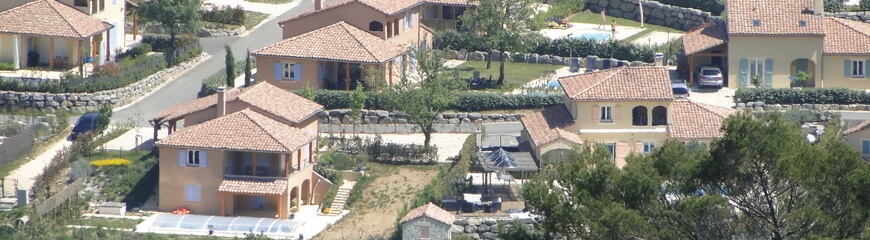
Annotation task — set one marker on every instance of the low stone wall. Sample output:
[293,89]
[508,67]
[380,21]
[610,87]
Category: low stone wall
[151,28]
[483,228]
[761,106]
[534,58]
[81,102]
[339,116]
[656,13]
[855,16]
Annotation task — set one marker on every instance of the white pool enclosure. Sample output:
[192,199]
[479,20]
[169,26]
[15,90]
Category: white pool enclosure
[219,226]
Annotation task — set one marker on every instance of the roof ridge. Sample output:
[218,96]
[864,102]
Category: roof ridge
[246,111]
[614,70]
[65,18]
[841,22]
[358,41]
[297,37]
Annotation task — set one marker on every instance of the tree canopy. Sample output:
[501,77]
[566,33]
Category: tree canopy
[762,180]
[176,16]
[501,25]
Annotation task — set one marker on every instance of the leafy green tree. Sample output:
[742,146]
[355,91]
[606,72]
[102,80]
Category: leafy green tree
[502,25]
[248,68]
[105,117]
[230,67]
[865,5]
[308,92]
[175,16]
[833,6]
[356,103]
[426,94]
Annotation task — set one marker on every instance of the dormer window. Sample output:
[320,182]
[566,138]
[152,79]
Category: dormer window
[808,10]
[756,22]
[802,23]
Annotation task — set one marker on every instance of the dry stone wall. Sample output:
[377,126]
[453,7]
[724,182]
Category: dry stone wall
[484,227]
[656,13]
[340,116]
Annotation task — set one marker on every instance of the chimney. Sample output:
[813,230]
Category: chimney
[318,4]
[221,101]
[819,7]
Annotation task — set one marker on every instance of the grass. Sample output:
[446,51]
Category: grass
[271,1]
[130,183]
[254,18]
[107,222]
[595,18]
[515,73]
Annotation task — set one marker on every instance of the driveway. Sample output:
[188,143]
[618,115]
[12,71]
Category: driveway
[722,97]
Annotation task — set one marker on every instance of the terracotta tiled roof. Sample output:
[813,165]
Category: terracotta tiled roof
[846,37]
[776,17]
[245,130]
[50,18]
[616,84]
[336,42]
[704,38]
[388,7]
[453,2]
[431,211]
[856,128]
[264,96]
[253,186]
[694,120]
[546,126]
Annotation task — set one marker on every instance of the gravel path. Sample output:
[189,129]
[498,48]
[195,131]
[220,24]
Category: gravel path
[26,174]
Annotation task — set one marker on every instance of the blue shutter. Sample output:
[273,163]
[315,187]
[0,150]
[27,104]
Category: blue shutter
[865,147]
[182,158]
[278,70]
[297,72]
[847,72]
[867,67]
[202,160]
[768,72]
[744,68]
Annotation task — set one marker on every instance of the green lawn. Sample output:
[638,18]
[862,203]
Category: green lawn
[515,73]
[595,18]
[254,18]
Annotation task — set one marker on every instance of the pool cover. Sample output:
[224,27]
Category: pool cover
[222,225]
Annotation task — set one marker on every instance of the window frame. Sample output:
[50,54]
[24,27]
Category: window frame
[648,147]
[611,146]
[193,159]
[288,71]
[858,67]
[605,114]
[756,64]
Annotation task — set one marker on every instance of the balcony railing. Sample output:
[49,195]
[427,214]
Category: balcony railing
[249,171]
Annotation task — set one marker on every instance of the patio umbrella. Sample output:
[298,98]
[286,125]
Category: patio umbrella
[502,159]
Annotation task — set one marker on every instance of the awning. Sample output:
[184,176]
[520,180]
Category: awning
[254,186]
[501,160]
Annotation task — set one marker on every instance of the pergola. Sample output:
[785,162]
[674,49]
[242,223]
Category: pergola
[500,161]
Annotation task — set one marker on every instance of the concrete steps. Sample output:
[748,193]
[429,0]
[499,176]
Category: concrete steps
[340,200]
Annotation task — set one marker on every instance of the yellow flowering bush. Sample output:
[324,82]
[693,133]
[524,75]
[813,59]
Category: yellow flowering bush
[111,162]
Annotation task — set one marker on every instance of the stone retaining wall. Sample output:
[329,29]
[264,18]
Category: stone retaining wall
[656,13]
[761,106]
[82,102]
[339,116]
[483,228]
[855,16]
[531,58]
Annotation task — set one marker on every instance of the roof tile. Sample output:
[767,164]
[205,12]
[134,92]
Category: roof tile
[775,18]
[253,186]
[50,18]
[846,37]
[619,84]
[693,120]
[705,38]
[431,211]
[860,126]
[340,41]
[546,126]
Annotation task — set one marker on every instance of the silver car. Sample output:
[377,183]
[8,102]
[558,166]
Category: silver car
[710,77]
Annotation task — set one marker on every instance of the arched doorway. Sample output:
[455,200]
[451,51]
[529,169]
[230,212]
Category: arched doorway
[294,197]
[306,192]
[639,116]
[659,116]
[803,68]
[376,26]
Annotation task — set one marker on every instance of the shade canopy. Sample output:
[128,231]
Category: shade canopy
[501,160]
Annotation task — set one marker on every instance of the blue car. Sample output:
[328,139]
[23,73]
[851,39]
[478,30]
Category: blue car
[680,89]
[86,123]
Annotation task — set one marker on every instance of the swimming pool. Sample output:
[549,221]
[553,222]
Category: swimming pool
[597,36]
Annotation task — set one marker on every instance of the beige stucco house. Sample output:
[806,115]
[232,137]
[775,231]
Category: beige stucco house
[242,152]
[858,137]
[332,45]
[60,33]
[772,41]
[629,109]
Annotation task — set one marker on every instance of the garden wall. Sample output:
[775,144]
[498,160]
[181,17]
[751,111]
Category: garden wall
[533,58]
[656,13]
[761,106]
[89,101]
[339,116]
[483,228]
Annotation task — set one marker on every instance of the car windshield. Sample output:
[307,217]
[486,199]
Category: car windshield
[709,72]
[681,90]
[85,122]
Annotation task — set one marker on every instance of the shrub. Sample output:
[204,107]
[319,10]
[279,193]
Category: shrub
[161,43]
[218,79]
[333,176]
[138,50]
[224,14]
[716,7]
[5,66]
[802,95]
[392,153]
[468,101]
[565,47]
[340,161]
[111,162]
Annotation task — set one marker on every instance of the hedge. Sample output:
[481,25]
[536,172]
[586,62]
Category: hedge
[468,101]
[160,42]
[802,95]
[453,40]
[716,7]
[225,15]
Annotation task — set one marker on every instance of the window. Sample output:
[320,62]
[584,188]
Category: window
[648,147]
[639,116]
[376,26]
[659,116]
[606,114]
[289,71]
[802,23]
[193,158]
[81,3]
[192,193]
[756,69]
[756,22]
[611,147]
[858,69]
[865,147]
[424,232]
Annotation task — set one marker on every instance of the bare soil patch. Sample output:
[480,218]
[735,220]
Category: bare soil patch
[375,214]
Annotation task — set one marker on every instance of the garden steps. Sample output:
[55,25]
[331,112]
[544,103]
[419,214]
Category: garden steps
[340,199]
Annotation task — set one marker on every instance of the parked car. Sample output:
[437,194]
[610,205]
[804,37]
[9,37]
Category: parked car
[680,88]
[86,123]
[710,77]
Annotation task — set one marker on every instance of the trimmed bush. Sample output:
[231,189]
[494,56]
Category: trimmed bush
[138,50]
[160,42]
[225,15]
[5,66]
[468,101]
[218,79]
[802,95]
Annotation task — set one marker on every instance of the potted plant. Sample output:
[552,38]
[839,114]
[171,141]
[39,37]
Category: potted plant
[756,81]
[800,79]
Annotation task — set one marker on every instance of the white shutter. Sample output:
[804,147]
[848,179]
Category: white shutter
[182,158]
[191,193]
[202,154]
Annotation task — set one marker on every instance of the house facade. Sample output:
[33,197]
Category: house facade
[62,33]
[768,43]
[858,137]
[427,222]
[333,45]
[628,109]
[243,152]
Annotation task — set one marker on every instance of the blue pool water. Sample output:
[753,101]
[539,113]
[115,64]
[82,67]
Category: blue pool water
[597,36]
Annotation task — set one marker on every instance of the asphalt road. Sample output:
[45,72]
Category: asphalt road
[184,88]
